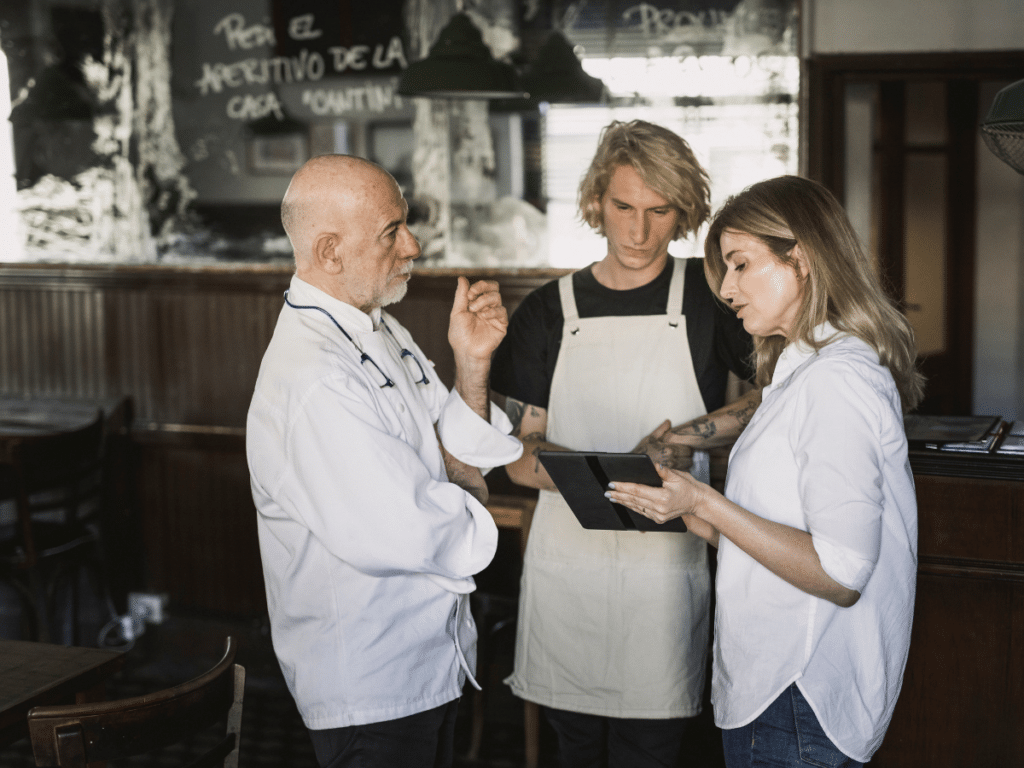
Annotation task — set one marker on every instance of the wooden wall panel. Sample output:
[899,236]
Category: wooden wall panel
[185,344]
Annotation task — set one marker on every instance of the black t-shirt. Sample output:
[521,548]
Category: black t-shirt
[524,363]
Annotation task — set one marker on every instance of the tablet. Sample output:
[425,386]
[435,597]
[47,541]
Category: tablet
[583,477]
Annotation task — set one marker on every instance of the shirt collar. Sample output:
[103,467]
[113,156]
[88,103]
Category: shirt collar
[797,353]
[352,319]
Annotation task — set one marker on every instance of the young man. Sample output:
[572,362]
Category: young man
[370,525]
[613,627]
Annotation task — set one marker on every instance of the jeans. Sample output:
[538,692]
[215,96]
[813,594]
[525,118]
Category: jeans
[423,740]
[786,735]
[592,741]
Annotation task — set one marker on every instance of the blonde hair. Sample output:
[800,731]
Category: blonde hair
[665,163]
[840,287]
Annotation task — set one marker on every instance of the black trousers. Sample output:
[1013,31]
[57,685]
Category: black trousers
[592,741]
[423,740]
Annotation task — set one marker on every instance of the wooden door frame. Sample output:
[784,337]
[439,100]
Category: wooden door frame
[826,77]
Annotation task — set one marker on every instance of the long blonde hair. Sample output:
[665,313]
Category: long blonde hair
[840,287]
[664,162]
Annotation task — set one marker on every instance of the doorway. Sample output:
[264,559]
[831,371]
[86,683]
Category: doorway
[895,137]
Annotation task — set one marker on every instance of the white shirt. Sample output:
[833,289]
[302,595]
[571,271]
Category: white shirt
[825,453]
[367,549]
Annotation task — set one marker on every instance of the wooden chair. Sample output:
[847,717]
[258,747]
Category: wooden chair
[75,736]
[56,482]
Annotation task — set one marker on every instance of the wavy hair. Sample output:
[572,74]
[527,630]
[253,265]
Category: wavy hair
[664,161]
[841,285]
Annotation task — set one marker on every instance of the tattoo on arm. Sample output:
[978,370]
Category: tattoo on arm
[514,409]
[744,415]
[536,450]
[702,427]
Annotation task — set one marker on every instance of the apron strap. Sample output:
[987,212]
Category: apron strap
[674,307]
[569,312]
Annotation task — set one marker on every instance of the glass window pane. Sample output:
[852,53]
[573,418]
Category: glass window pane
[925,250]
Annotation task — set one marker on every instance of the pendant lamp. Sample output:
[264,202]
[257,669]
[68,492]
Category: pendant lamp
[556,75]
[1003,127]
[460,66]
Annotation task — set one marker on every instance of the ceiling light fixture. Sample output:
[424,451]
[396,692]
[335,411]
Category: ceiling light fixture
[460,66]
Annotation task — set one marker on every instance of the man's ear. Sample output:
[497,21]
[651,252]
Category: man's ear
[327,254]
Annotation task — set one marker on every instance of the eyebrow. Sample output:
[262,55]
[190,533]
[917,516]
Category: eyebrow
[617,201]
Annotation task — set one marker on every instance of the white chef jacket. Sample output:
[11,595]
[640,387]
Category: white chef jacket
[367,549]
[826,453]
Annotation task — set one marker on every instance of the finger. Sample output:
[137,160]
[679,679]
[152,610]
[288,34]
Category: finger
[661,429]
[461,303]
[481,287]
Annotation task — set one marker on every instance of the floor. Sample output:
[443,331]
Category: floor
[272,731]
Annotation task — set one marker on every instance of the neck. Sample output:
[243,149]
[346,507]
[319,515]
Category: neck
[610,273]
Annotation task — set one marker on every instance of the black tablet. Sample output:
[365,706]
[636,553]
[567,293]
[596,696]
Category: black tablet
[583,477]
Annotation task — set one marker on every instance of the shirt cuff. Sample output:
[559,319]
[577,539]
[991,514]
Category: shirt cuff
[472,440]
[846,567]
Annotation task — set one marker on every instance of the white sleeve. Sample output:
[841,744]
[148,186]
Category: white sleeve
[840,465]
[474,441]
[367,495]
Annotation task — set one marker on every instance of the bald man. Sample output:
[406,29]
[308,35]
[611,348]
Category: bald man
[366,475]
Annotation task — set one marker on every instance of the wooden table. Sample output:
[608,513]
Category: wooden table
[32,674]
[36,415]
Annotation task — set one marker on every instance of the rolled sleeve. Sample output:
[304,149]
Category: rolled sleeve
[840,480]
[474,441]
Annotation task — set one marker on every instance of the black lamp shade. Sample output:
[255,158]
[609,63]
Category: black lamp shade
[556,75]
[1003,127]
[460,66]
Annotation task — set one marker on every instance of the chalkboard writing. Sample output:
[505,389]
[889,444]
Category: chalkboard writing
[307,65]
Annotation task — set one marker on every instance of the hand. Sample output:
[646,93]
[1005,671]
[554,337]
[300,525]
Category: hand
[478,320]
[666,448]
[680,495]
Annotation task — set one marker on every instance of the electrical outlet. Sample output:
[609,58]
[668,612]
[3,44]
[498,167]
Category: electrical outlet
[151,607]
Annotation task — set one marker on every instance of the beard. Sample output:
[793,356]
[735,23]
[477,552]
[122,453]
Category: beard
[397,293]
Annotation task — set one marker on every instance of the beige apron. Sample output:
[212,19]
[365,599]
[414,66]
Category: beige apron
[615,623]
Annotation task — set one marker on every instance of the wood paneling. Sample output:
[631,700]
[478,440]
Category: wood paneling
[185,343]
[963,693]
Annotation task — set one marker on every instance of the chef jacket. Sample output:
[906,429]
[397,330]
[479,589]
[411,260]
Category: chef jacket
[826,453]
[368,551]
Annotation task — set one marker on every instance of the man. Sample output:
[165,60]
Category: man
[613,626]
[364,473]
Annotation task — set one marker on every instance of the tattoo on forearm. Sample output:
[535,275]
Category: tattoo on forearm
[744,415]
[514,409]
[536,459]
[702,427]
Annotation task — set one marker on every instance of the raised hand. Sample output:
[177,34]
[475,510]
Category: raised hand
[478,320]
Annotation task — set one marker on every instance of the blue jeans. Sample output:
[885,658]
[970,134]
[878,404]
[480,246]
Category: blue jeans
[424,740]
[786,735]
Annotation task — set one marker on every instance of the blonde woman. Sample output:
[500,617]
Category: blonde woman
[817,530]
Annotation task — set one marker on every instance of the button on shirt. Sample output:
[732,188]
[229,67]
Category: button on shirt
[825,453]
[367,549]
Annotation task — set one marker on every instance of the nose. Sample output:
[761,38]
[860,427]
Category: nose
[410,245]
[639,226]
[728,289]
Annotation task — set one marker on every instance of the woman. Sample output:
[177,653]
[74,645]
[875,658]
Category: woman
[817,530]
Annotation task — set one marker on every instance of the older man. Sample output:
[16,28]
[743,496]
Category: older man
[364,473]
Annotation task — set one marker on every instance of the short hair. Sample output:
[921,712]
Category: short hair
[841,285]
[664,162]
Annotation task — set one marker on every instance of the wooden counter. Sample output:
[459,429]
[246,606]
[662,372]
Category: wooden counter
[963,694]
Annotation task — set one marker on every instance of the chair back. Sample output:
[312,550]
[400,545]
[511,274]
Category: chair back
[56,481]
[115,730]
